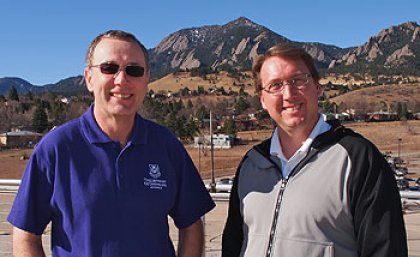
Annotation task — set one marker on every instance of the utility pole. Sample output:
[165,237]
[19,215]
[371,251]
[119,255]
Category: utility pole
[213,182]
[199,149]
[399,147]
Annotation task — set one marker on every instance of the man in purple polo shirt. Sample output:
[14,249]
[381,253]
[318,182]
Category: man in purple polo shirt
[108,180]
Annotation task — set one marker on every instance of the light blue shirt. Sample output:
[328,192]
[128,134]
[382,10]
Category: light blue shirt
[288,165]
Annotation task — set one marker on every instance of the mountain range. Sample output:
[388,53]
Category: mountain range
[235,45]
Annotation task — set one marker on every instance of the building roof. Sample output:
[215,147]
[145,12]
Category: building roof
[20,134]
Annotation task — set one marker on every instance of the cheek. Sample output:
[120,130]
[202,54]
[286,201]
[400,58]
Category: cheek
[272,104]
[142,89]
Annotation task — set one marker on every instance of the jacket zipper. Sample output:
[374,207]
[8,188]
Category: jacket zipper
[275,218]
[312,152]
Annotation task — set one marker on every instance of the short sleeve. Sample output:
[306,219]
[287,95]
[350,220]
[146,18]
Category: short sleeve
[31,210]
[193,200]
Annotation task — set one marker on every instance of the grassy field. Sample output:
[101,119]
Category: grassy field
[385,135]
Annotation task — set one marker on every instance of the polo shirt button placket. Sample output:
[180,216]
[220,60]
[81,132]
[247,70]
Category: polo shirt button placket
[120,171]
[121,178]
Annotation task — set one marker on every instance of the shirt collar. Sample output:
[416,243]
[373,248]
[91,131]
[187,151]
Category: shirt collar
[320,127]
[94,133]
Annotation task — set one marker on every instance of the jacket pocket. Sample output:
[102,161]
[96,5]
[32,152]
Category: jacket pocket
[302,248]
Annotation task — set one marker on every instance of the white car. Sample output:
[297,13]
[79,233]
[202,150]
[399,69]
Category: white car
[223,185]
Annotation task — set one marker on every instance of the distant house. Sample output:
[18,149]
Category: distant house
[416,116]
[338,116]
[220,141]
[383,116]
[20,138]
[65,100]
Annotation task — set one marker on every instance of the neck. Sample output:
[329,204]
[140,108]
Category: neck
[291,141]
[116,128]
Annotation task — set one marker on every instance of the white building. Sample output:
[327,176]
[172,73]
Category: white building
[220,141]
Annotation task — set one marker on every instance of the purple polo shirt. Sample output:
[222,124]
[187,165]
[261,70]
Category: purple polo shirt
[107,201]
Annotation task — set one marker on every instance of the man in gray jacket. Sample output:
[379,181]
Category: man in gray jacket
[314,188]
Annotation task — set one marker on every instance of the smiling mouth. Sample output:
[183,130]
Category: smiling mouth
[121,96]
[292,108]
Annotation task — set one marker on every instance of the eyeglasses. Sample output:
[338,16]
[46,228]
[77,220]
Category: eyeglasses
[297,82]
[113,68]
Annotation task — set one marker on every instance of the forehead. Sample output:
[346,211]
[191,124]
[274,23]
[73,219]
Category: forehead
[113,49]
[281,68]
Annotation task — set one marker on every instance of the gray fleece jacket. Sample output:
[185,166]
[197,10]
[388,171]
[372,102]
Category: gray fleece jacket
[340,200]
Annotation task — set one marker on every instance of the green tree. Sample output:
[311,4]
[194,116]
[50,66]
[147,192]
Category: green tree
[190,104]
[402,111]
[201,113]
[229,127]
[13,94]
[39,119]
[261,115]
[200,90]
[57,112]
[178,105]
[343,89]
[185,91]
[327,106]
[30,95]
[242,91]
[241,105]
[405,111]
[191,128]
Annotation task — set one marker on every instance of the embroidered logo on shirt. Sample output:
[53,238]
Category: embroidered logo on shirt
[154,171]
[154,182]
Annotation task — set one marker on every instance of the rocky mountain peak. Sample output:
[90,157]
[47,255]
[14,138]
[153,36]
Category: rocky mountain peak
[392,48]
[411,25]
[234,45]
[242,21]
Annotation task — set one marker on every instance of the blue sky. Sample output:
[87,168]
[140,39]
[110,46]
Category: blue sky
[45,41]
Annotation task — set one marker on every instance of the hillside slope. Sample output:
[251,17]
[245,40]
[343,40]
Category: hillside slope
[384,97]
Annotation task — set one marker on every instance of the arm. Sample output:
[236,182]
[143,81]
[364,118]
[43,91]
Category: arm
[191,240]
[376,207]
[233,236]
[26,244]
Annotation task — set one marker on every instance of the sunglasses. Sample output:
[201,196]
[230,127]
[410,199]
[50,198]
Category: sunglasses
[113,68]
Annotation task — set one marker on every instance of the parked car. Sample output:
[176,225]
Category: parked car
[403,184]
[223,185]
[401,171]
[416,186]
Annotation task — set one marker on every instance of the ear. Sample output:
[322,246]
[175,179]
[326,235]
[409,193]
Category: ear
[148,75]
[262,101]
[88,77]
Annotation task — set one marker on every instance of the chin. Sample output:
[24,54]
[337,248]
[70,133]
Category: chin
[294,122]
[123,111]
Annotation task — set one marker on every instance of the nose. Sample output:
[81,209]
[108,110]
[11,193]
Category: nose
[120,76]
[288,90]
